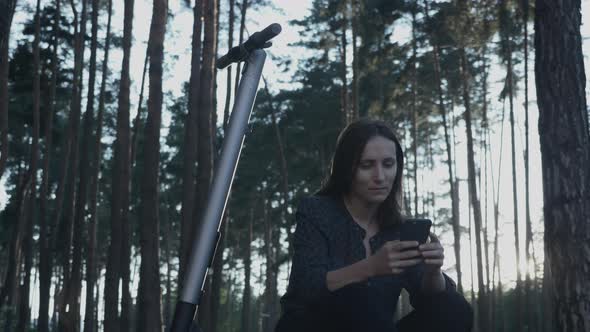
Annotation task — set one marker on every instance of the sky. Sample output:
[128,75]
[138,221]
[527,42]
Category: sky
[177,64]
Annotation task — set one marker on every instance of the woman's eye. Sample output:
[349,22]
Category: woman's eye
[365,165]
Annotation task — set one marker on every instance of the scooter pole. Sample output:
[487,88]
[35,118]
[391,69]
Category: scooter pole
[207,236]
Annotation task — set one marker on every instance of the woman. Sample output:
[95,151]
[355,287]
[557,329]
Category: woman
[349,265]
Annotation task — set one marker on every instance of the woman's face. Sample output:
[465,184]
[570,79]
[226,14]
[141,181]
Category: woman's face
[376,171]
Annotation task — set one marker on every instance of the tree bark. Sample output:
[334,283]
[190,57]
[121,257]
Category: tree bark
[45,257]
[25,310]
[246,298]
[149,302]
[355,59]
[482,296]
[343,69]
[205,132]
[120,188]
[565,156]
[91,265]
[8,8]
[68,320]
[518,289]
[531,318]
[75,285]
[453,190]
[243,10]
[226,109]
[191,133]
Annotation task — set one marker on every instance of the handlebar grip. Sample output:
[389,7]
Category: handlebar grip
[261,37]
[257,40]
[223,62]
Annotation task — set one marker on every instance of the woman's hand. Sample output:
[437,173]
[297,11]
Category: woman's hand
[433,280]
[433,254]
[393,258]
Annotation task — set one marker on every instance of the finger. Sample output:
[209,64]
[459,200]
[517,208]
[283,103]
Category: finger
[433,254]
[405,263]
[431,246]
[434,238]
[435,262]
[404,255]
[401,245]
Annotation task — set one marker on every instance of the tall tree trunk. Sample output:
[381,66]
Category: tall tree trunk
[247,297]
[355,59]
[272,247]
[91,265]
[343,68]
[45,257]
[149,302]
[496,302]
[454,193]
[31,201]
[269,310]
[243,9]
[167,238]
[190,146]
[75,285]
[518,289]
[120,188]
[481,298]
[414,112]
[485,128]
[7,9]
[67,319]
[565,138]
[531,318]
[125,178]
[230,37]
[137,120]
[10,286]
[205,132]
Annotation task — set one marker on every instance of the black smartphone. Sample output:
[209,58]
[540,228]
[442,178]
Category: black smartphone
[415,229]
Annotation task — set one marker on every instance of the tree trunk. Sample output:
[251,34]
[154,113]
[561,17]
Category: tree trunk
[45,257]
[205,132]
[355,60]
[243,10]
[564,138]
[226,109]
[247,297]
[481,298]
[454,193]
[120,176]
[75,285]
[518,289]
[91,265]
[191,133]
[31,201]
[531,318]
[69,319]
[414,113]
[148,302]
[10,286]
[343,69]
[7,11]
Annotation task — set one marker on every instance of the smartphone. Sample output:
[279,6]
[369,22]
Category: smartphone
[415,229]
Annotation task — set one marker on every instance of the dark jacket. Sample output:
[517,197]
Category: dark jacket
[327,238]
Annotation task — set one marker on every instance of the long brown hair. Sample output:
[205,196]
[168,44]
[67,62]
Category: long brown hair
[349,149]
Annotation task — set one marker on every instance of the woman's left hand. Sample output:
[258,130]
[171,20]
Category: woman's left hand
[433,255]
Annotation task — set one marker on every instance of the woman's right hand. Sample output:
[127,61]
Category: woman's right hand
[394,257]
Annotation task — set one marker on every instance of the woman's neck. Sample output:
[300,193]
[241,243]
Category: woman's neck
[362,212]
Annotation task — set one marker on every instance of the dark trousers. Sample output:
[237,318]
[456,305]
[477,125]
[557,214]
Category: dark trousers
[347,310]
